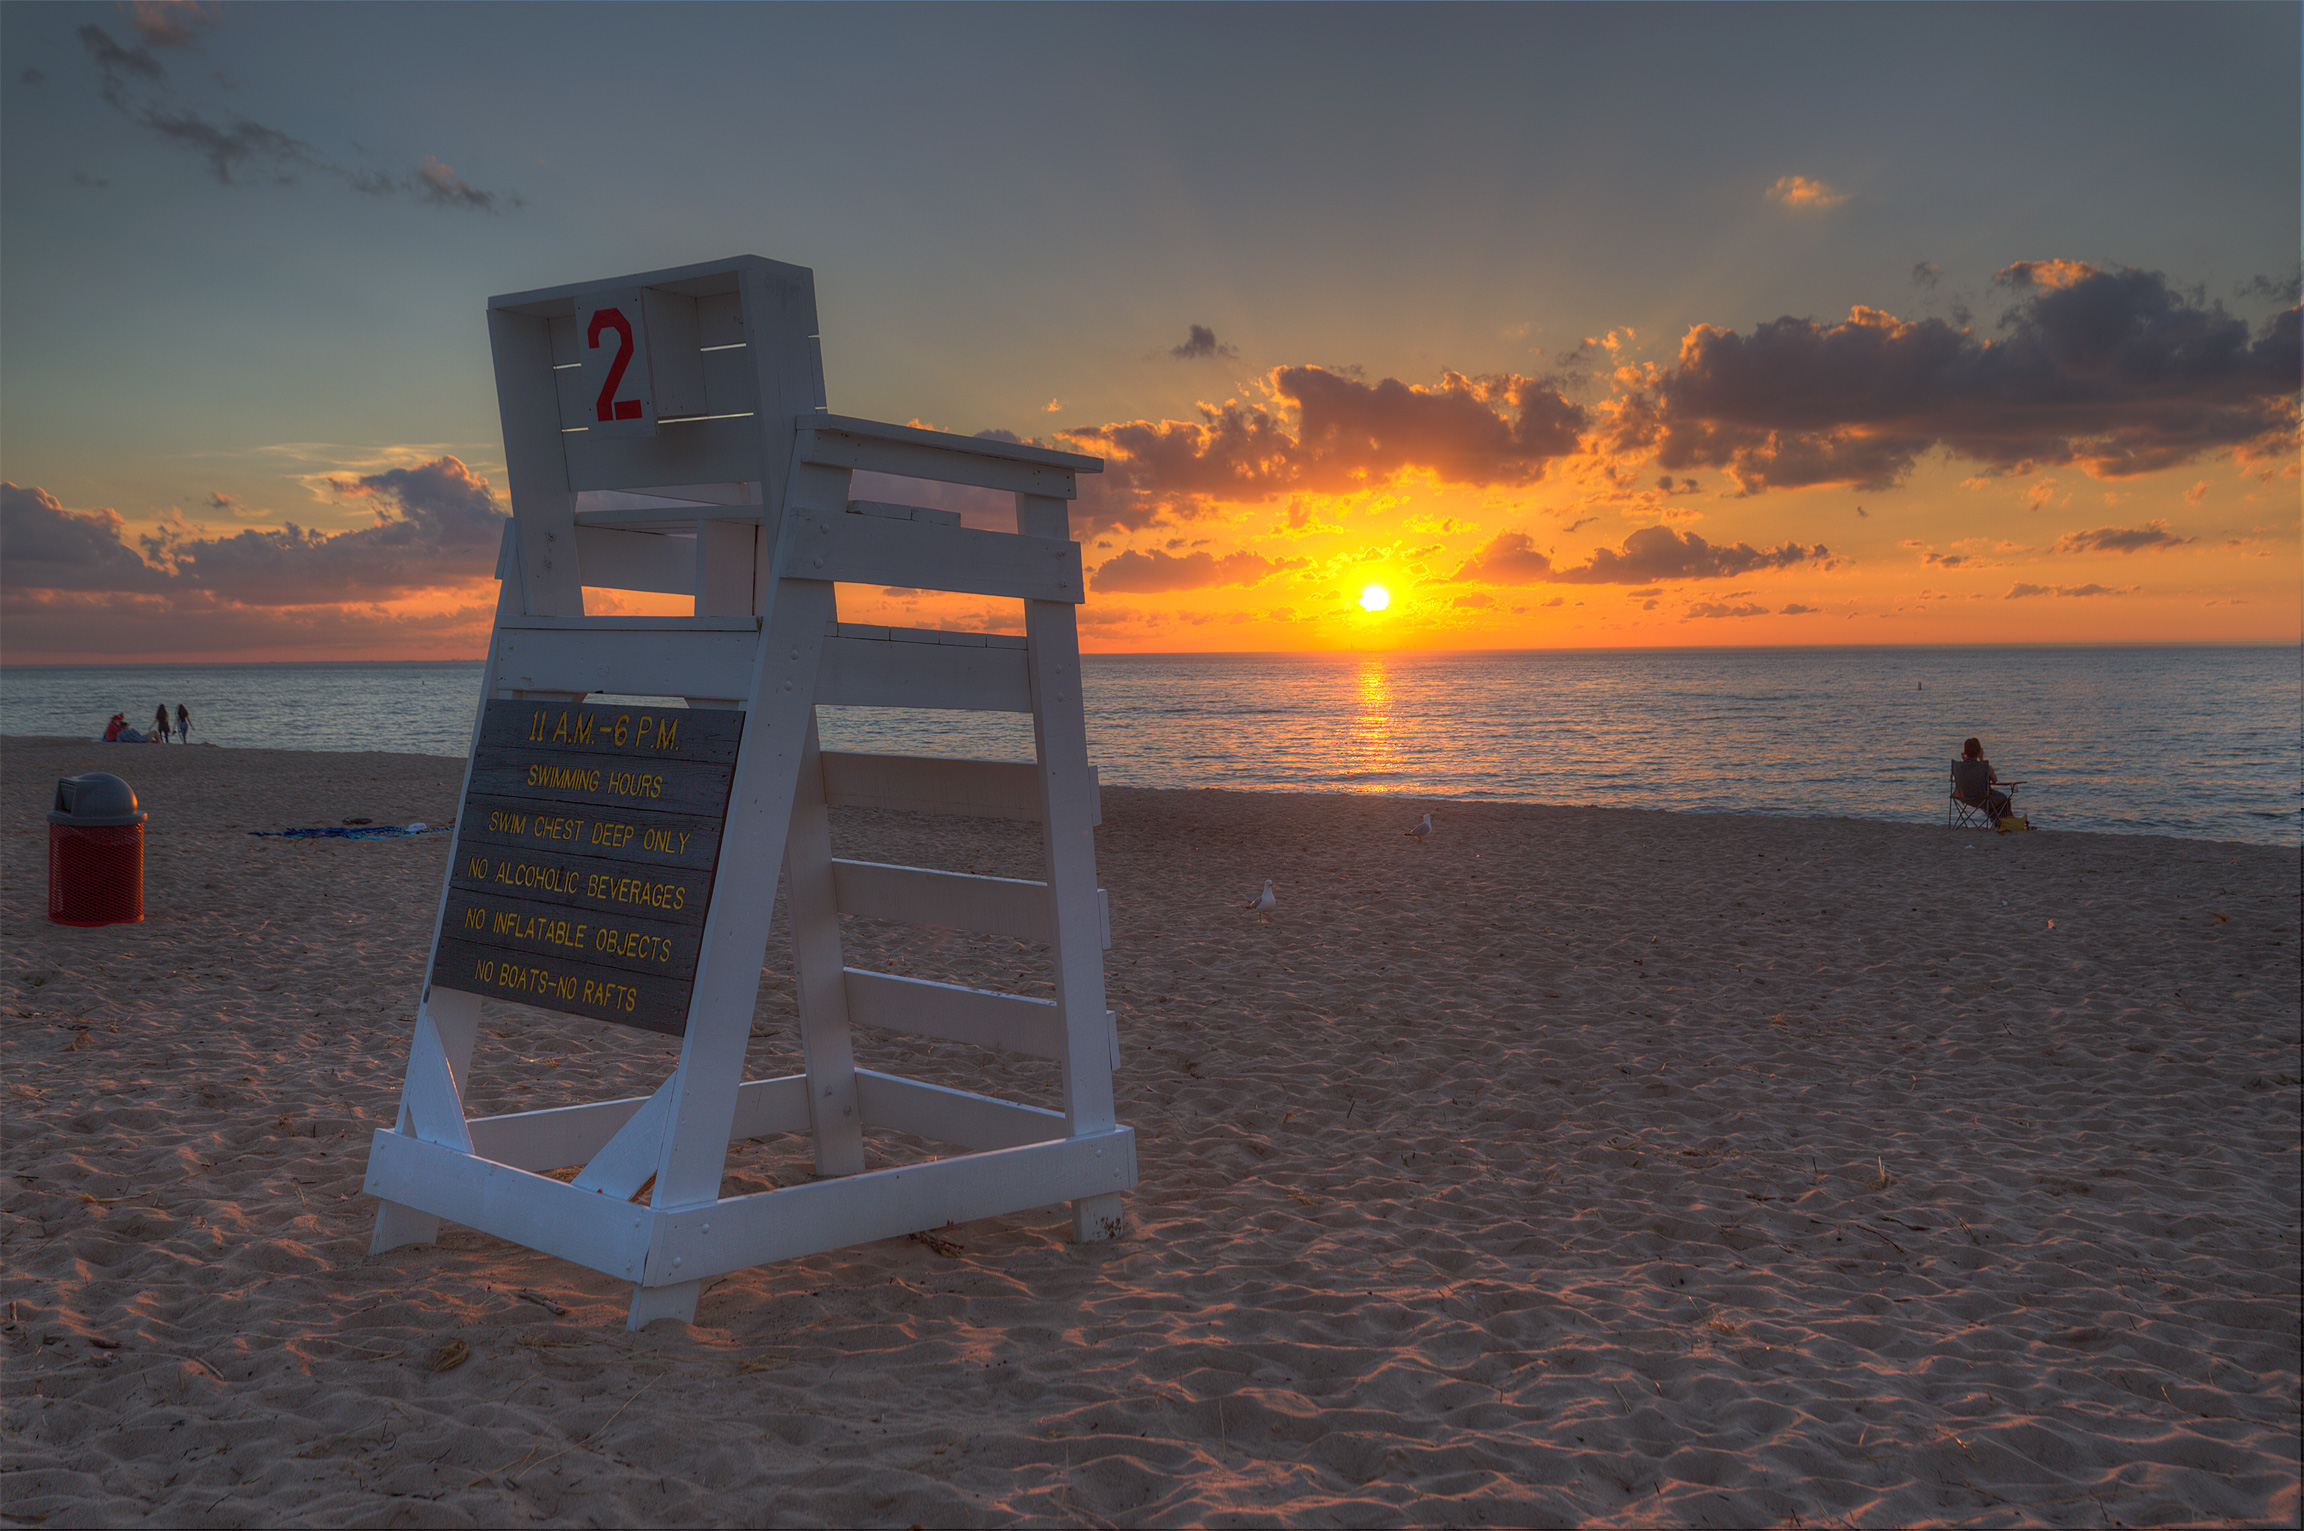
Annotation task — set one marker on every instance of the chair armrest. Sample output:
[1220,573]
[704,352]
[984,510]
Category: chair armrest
[947,441]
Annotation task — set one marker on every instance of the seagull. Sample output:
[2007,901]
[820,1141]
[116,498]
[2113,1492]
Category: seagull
[1263,903]
[1420,831]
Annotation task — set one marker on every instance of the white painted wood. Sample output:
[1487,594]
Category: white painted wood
[719,383]
[835,448]
[787,369]
[810,484]
[676,1302]
[720,320]
[984,447]
[959,1117]
[633,661]
[725,567]
[707,450]
[1067,788]
[1098,1218]
[563,1135]
[543,501]
[399,1225]
[996,906]
[626,1160]
[874,550]
[780,709]
[553,1138]
[982,1017]
[821,988]
[597,1232]
[675,359]
[882,1204]
[430,1098]
[866,672]
[894,512]
[768,1106]
[621,560]
[985,789]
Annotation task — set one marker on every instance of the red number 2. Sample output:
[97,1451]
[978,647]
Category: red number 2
[609,406]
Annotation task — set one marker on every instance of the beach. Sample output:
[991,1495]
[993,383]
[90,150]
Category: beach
[1590,1165]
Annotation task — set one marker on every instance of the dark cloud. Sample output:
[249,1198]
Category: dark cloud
[116,64]
[1650,554]
[1722,609]
[1333,433]
[2019,592]
[2284,290]
[1145,573]
[434,524]
[1658,552]
[1201,344]
[44,546]
[1926,273]
[1508,558]
[33,75]
[2114,539]
[1797,610]
[239,149]
[2111,369]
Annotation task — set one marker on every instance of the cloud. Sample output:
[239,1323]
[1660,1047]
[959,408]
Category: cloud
[1653,553]
[45,546]
[434,525]
[1658,552]
[1144,573]
[1327,432]
[2019,592]
[1508,558]
[2113,539]
[1200,344]
[168,23]
[1803,194]
[1718,609]
[239,149]
[2284,290]
[1798,610]
[1926,273]
[2111,369]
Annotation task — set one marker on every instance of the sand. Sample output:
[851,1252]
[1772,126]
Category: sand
[1580,1166]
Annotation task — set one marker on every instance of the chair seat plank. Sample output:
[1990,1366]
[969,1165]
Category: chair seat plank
[953,1013]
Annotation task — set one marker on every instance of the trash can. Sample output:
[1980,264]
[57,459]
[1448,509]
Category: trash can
[95,852]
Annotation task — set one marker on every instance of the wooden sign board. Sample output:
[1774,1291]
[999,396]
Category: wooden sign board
[585,858]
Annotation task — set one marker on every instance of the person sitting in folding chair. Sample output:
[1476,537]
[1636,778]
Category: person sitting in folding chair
[1975,788]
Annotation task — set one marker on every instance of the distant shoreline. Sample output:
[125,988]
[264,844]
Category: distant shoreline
[12,745]
[1268,654]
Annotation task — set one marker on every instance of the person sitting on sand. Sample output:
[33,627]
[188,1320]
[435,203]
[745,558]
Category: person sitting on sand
[1972,779]
[160,723]
[113,729]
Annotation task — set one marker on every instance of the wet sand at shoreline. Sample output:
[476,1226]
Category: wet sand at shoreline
[1581,1165]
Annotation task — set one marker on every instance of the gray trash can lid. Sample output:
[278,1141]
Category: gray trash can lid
[97,800]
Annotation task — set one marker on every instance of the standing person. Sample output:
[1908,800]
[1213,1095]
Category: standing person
[1973,778]
[183,725]
[160,723]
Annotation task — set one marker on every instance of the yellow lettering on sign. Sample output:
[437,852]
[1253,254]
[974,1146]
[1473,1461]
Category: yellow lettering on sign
[563,778]
[502,823]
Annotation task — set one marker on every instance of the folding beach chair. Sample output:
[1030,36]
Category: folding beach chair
[1962,813]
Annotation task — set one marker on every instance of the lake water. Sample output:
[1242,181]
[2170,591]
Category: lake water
[2206,742]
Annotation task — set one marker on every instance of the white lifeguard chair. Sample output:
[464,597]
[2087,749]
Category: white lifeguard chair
[618,863]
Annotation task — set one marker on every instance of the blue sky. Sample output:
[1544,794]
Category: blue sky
[247,248]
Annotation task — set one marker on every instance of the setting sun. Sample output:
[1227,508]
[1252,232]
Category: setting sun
[1375,598]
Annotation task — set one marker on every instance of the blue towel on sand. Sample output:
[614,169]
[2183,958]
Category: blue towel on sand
[363,832]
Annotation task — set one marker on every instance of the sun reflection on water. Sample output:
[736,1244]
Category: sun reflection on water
[1373,741]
